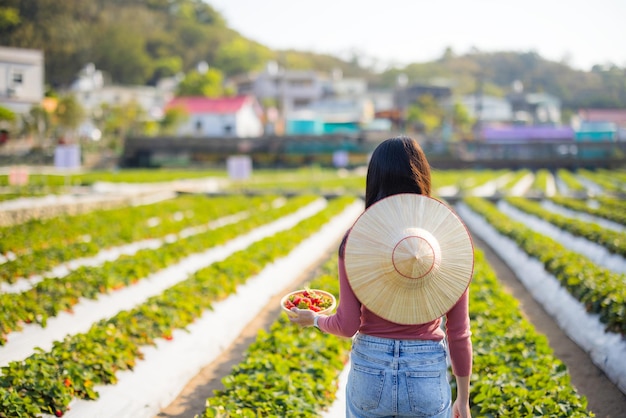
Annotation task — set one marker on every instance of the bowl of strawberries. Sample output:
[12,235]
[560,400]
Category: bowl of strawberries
[316,300]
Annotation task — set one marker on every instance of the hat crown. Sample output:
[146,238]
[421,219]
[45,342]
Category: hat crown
[416,254]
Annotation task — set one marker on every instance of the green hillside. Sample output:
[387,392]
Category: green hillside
[140,41]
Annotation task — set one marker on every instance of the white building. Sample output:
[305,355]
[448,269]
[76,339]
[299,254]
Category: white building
[21,78]
[290,90]
[92,92]
[488,109]
[239,116]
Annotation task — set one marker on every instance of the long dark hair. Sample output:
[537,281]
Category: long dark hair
[397,165]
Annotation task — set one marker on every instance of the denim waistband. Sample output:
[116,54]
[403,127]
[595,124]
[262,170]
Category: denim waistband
[391,345]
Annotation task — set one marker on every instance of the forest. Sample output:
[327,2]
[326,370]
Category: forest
[140,41]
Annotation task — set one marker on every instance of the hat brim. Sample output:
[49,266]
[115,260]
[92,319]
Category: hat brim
[371,272]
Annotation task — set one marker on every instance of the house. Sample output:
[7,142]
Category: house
[331,115]
[239,116]
[288,90]
[21,78]
[92,92]
[488,110]
[405,96]
[535,108]
[601,123]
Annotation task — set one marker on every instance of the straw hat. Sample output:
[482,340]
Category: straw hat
[409,258]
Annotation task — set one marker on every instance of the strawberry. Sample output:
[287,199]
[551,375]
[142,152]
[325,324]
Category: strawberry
[304,303]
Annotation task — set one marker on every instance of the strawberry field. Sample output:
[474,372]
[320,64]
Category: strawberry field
[111,312]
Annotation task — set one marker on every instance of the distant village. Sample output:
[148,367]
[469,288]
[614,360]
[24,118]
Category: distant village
[306,103]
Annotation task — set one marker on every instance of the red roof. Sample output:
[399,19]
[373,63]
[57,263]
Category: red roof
[604,115]
[223,105]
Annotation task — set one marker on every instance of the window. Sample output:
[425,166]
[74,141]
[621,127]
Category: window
[18,78]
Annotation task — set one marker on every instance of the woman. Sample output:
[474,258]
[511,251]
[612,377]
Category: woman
[398,369]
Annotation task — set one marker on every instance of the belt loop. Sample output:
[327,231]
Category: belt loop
[396,348]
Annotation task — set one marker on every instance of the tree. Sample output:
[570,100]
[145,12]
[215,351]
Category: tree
[207,83]
[241,55]
[461,121]
[37,123]
[427,114]
[68,114]
[119,121]
[172,119]
[6,115]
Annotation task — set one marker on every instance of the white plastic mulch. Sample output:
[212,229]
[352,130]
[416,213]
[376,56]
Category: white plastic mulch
[595,252]
[113,253]
[21,344]
[162,374]
[585,217]
[606,349]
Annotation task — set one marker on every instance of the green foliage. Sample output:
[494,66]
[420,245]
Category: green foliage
[427,114]
[208,84]
[515,371]
[69,113]
[6,114]
[598,289]
[138,42]
[240,55]
[9,17]
[172,118]
[75,366]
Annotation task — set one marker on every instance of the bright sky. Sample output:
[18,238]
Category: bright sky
[582,32]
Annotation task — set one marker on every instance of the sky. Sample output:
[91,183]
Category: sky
[581,33]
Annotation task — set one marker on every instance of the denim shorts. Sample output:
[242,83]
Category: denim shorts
[397,378]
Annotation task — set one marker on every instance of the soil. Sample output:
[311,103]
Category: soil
[605,400]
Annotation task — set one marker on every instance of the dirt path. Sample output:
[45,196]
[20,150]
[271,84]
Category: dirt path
[192,399]
[604,398]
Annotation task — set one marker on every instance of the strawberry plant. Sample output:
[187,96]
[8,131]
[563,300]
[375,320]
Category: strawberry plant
[515,372]
[53,295]
[599,290]
[114,345]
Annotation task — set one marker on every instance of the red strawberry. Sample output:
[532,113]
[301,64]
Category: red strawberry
[304,303]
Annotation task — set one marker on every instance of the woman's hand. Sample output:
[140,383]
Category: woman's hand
[461,410]
[302,317]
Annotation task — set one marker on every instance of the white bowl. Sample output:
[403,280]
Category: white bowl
[322,293]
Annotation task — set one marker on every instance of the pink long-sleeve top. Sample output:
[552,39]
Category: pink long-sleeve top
[351,316]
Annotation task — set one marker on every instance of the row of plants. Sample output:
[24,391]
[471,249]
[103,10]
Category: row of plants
[515,371]
[289,371]
[541,181]
[599,290]
[38,246]
[607,208]
[609,181]
[613,241]
[46,382]
[152,220]
[571,181]
[118,176]
[53,295]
